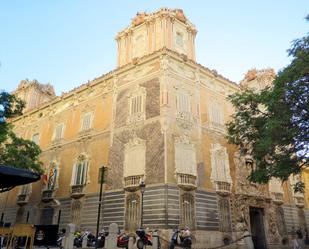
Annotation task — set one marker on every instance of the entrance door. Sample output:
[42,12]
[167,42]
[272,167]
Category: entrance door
[257,228]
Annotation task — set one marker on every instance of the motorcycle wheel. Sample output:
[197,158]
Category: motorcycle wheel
[140,244]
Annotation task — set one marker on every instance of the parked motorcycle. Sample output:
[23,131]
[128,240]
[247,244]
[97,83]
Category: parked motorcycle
[185,240]
[143,239]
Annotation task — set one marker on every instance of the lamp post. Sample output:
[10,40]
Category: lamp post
[102,171]
[142,186]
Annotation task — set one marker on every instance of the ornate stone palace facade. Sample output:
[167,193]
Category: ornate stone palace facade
[158,117]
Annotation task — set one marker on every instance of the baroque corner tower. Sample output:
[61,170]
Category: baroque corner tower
[147,33]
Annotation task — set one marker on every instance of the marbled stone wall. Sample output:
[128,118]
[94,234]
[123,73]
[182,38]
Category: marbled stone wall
[154,167]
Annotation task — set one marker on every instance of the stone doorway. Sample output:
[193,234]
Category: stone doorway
[257,227]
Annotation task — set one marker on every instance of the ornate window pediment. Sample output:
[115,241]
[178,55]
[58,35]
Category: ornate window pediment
[220,168]
[137,105]
[135,157]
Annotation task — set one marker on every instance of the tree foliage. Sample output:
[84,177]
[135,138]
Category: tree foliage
[273,124]
[15,151]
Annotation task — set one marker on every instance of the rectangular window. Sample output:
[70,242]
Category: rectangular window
[58,131]
[183,102]
[86,122]
[216,114]
[81,173]
[136,105]
[35,138]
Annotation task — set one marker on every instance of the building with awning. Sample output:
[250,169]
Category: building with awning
[11,177]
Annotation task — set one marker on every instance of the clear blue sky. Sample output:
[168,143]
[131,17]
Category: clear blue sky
[70,42]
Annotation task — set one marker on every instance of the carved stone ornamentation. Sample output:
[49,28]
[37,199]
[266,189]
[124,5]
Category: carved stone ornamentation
[242,184]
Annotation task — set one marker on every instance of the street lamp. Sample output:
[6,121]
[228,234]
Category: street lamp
[102,173]
[142,186]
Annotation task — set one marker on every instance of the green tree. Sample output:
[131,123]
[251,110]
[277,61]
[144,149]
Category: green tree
[15,151]
[273,125]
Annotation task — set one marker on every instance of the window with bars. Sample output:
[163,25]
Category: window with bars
[58,132]
[132,212]
[86,122]
[35,138]
[80,173]
[187,210]
[137,104]
[216,114]
[183,102]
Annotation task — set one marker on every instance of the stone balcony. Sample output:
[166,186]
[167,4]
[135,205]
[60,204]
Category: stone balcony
[77,191]
[299,201]
[131,183]
[223,188]
[277,198]
[47,195]
[186,181]
[22,199]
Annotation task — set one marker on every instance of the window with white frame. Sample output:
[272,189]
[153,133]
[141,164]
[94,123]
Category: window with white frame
[80,170]
[58,132]
[185,157]
[135,157]
[35,138]
[220,169]
[86,122]
[137,102]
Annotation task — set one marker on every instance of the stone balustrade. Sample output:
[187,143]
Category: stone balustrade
[186,181]
[277,198]
[47,195]
[223,188]
[77,191]
[22,199]
[131,183]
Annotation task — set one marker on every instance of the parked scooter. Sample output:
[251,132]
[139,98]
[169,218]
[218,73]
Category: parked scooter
[79,237]
[60,238]
[91,239]
[181,238]
[123,240]
[143,239]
